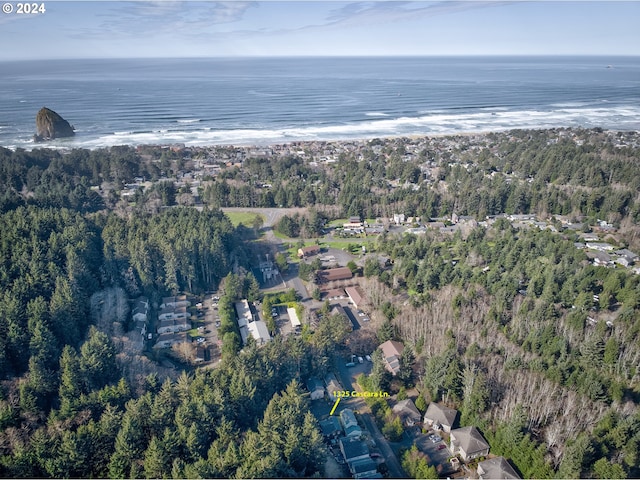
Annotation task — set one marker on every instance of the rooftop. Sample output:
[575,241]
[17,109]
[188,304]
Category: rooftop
[469,439]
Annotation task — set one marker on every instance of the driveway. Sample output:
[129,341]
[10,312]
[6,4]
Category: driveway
[348,379]
[395,470]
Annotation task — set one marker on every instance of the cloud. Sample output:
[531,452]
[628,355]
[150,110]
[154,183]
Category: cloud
[393,11]
[164,16]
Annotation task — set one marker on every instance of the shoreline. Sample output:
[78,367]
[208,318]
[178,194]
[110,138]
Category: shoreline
[355,140]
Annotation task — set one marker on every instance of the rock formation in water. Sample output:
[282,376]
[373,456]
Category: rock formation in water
[50,125]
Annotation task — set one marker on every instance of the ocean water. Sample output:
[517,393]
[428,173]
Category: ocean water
[276,100]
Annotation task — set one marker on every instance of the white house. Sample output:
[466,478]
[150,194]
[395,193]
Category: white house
[140,309]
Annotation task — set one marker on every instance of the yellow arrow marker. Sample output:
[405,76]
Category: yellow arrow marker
[335,405]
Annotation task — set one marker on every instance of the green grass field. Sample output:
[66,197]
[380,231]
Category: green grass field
[243,218]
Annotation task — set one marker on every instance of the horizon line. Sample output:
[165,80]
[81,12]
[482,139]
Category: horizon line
[310,56]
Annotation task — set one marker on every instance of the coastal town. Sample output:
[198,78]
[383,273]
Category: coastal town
[396,291]
[187,327]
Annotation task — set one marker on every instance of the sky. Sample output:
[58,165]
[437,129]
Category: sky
[167,28]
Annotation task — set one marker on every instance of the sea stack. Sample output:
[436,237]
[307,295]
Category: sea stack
[50,125]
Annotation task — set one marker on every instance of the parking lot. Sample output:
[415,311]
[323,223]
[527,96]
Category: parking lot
[435,447]
[206,322]
[283,322]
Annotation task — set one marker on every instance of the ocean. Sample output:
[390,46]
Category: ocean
[244,101]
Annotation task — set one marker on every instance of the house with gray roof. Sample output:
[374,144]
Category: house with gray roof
[408,412]
[332,385]
[440,417]
[316,389]
[349,423]
[140,309]
[469,443]
[497,468]
[331,427]
[365,468]
[353,450]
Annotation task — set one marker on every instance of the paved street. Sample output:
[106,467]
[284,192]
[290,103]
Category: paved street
[347,378]
[395,470]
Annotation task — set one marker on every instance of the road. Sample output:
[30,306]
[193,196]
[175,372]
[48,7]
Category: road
[358,404]
[395,470]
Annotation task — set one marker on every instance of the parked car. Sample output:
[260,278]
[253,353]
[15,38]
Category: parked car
[375,455]
[350,364]
[368,357]
[200,339]
[441,446]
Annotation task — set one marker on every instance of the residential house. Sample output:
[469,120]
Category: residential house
[167,340]
[259,332]
[140,310]
[331,427]
[174,313]
[469,443]
[497,468]
[365,468]
[335,293]
[316,389]
[440,417]
[173,326]
[407,411]
[332,385]
[243,311]
[601,259]
[356,295]
[391,352]
[249,326]
[349,423]
[333,274]
[398,218]
[353,450]
[176,301]
[374,230]
[600,246]
[628,256]
[309,251]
